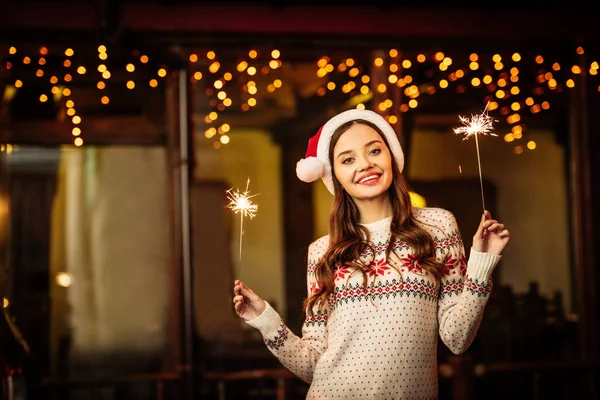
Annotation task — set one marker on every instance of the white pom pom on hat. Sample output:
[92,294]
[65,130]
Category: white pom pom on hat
[316,165]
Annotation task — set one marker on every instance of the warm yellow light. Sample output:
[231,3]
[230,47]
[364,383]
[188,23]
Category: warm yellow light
[224,139]
[130,67]
[473,57]
[76,120]
[413,103]
[393,53]
[251,101]
[54,80]
[102,49]
[509,137]
[130,84]
[43,98]
[252,54]
[576,69]
[144,59]
[251,71]
[539,59]
[531,145]
[69,52]
[39,73]
[102,56]
[18,83]
[81,70]
[66,92]
[162,72]
[570,83]
[78,142]
[71,112]
[213,115]
[101,85]
[393,119]
[516,57]
[406,64]
[197,75]
[105,100]
[153,83]
[475,82]
[106,75]
[515,90]
[227,102]
[417,200]
[439,56]
[378,62]
[496,58]
[12,50]
[277,83]
[42,61]
[193,58]
[76,131]
[518,149]
[26,60]
[443,84]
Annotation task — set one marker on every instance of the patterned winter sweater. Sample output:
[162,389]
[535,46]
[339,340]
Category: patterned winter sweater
[381,343]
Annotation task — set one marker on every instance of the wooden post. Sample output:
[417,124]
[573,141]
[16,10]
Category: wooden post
[581,217]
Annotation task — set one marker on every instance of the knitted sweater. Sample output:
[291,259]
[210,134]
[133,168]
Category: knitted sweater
[381,343]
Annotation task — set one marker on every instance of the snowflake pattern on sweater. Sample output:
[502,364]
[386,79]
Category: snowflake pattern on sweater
[380,342]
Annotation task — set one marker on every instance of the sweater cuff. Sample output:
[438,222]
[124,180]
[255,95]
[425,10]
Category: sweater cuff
[481,265]
[268,323]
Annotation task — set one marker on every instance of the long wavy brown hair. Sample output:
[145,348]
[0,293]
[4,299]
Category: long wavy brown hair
[348,239]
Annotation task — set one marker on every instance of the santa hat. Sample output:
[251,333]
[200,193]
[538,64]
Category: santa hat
[316,164]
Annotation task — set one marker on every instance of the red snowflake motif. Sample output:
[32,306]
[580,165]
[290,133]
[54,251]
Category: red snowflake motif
[449,264]
[340,272]
[378,267]
[314,289]
[412,263]
[463,265]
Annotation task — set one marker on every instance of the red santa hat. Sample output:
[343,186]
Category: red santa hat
[316,164]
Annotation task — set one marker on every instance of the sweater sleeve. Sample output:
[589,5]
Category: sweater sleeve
[464,289]
[298,354]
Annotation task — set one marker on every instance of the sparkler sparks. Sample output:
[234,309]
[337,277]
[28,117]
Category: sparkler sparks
[240,203]
[479,124]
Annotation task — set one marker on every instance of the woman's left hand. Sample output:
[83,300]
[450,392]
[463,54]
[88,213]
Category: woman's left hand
[491,236]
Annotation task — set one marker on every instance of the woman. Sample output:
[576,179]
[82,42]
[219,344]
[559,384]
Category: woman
[385,282]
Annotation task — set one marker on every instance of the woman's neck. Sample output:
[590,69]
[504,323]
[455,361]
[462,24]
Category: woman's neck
[372,210]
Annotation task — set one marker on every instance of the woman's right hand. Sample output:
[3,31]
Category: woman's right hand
[248,305]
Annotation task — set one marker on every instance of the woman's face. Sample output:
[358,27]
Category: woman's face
[362,163]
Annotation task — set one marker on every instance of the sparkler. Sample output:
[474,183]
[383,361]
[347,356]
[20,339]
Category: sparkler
[480,124]
[240,203]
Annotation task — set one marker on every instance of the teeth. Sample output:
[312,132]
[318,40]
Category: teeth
[368,178]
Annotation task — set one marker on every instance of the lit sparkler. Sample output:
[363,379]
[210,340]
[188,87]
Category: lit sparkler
[480,124]
[240,203]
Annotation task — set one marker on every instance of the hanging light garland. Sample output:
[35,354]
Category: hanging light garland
[74,69]
[234,82]
[500,79]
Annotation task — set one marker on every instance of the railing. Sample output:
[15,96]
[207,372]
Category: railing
[95,387]
[460,371]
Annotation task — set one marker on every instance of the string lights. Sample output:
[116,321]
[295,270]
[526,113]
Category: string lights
[64,79]
[238,82]
[424,74]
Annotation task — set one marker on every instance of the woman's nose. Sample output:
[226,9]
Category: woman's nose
[363,163]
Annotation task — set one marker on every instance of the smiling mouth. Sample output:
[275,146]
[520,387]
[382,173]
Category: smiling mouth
[368,178]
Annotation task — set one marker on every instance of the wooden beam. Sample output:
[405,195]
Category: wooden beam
[297,19]
[104,131]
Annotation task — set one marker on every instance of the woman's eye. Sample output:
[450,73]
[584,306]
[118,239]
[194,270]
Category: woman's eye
[375,151]
[347,160]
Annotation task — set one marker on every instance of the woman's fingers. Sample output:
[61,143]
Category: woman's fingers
[504,234]
[495,227]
